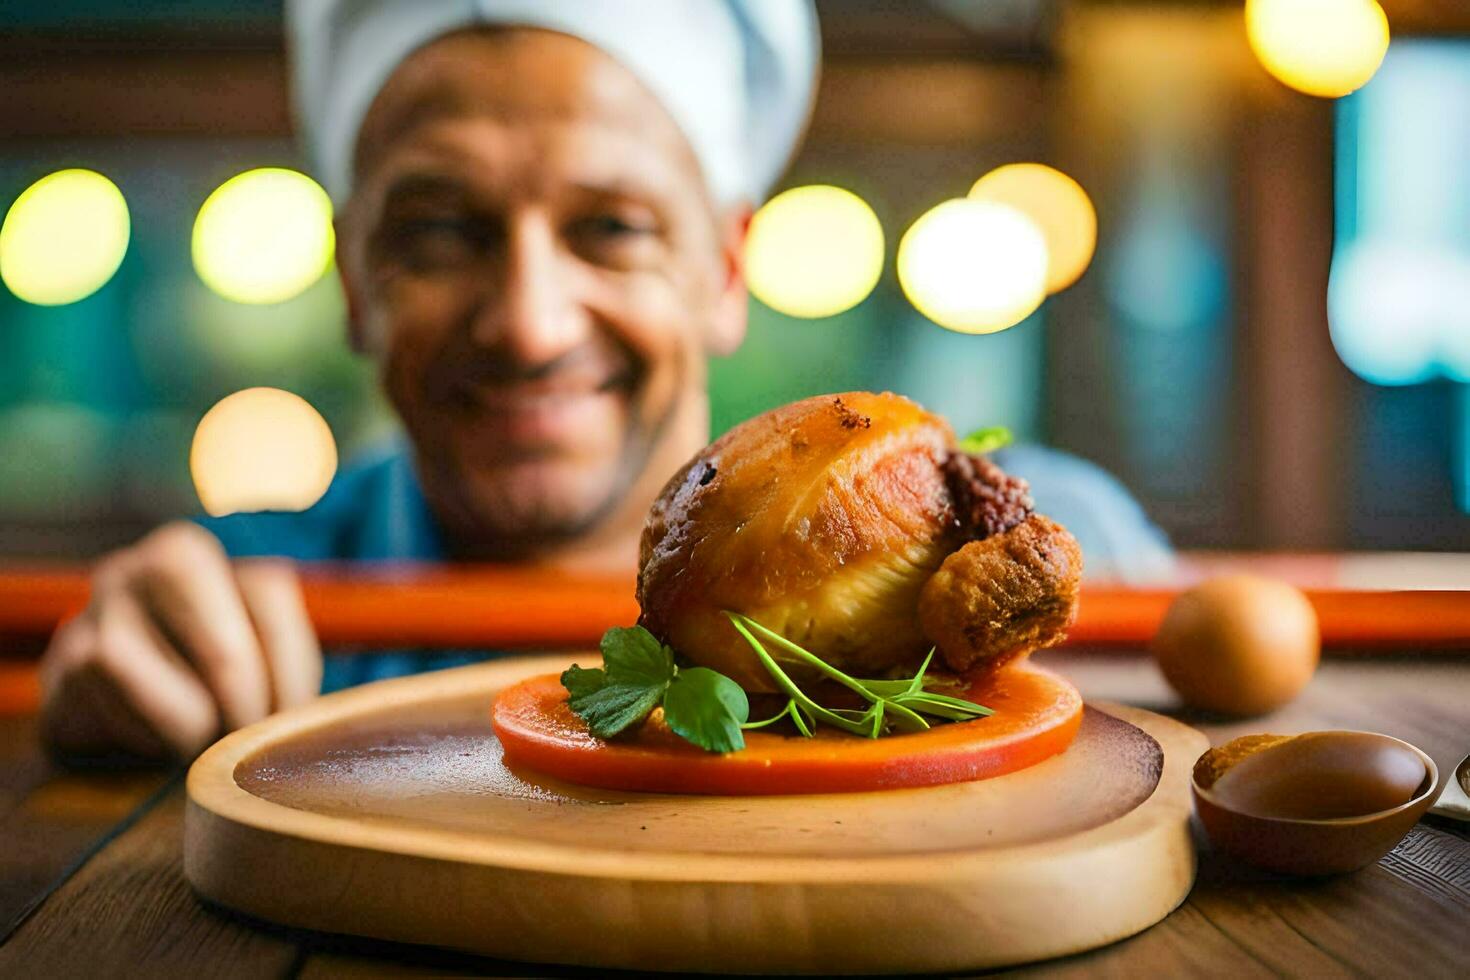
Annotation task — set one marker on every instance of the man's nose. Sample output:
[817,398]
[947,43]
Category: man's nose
[530,311]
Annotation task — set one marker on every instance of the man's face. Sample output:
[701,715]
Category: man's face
[531,250]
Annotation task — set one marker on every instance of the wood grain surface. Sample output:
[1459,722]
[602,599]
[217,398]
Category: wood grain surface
[51,820]
[128,911]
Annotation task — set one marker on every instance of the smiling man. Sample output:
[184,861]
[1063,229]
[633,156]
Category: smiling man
[533,253]
[541,209]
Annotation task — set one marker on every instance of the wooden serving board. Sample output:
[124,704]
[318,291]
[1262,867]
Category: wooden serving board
[387,811]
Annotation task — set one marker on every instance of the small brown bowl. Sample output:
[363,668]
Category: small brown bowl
[1315,804]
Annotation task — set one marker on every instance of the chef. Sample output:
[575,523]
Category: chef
[540,211]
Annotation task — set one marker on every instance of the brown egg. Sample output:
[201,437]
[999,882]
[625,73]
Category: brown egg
[1239,645]
[1312,804]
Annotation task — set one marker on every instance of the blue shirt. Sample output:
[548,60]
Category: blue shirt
[375,511]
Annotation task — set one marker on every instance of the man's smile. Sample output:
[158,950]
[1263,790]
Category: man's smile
[546,414]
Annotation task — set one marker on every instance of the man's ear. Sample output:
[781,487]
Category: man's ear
[357,332]
[729,317]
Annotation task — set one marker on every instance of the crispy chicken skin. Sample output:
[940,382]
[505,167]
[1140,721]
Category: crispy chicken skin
[821,519]
[1003,596]
[826,520]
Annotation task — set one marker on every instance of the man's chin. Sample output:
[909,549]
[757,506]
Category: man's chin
[521,507]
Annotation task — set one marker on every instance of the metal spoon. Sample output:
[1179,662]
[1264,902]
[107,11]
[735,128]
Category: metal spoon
[1455,800]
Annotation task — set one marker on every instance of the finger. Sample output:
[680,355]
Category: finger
[187,583]
[77,720]
[151,678]
[293,657]
[107,723]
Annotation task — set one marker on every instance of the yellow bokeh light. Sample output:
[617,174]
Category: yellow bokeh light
[1060,208]
[814,251]
[262,449]
[973,266]
[264,236]
[1321,47]
[64,237]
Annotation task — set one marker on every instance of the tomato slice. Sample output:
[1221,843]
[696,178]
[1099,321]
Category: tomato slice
[1036,717]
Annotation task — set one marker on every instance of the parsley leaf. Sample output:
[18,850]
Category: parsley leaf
[632,655]
[581,682]
[635,674]
[986,440]
[613,708]
[707,708]
[638,674]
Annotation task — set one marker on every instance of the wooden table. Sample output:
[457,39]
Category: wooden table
[91,882]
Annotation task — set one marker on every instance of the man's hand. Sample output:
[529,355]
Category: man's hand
[177,645]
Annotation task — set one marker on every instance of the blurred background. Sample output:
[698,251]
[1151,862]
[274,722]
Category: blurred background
[1270,345]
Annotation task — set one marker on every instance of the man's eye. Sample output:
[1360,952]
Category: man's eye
[432,229]
[431,242]
[614,241]
[610,226]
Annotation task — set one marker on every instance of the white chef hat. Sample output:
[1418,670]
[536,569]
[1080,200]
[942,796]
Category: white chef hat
[736,75]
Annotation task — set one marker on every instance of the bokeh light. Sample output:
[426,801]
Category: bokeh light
[973,266]
[814,251]
[64,237]
[1321,47]
[264,236]
[1399,313]
[1060,208]
[262,449]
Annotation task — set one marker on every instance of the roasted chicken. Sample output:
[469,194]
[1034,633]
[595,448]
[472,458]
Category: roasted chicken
[853,525]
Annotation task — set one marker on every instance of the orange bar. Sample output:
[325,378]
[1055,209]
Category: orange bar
[1110,615]
[382,605]
[20,688]
[519,608]
[507,608]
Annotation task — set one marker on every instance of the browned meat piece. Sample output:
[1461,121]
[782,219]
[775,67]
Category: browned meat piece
[1003,596]
[987,499]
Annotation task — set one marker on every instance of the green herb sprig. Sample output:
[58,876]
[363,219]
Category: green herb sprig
[897,704]
[710,710]
[638,674]
[986,440]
